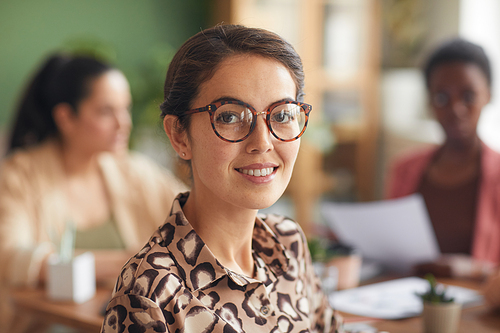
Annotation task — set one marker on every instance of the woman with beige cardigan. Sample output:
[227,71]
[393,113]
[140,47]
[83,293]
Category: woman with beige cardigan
[68,162]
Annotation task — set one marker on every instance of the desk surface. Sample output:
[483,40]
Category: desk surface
[87,317]
[478,319]
[473,320]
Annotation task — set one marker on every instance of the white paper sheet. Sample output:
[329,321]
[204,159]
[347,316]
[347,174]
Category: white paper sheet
[394,299]
[395,233]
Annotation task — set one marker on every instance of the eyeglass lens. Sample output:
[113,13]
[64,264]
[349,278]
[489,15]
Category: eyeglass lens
[234,121]
[442,99]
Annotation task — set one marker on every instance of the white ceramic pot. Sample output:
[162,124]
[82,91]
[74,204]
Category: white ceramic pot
[72,281]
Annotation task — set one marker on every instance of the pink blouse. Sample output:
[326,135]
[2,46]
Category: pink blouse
[406,176]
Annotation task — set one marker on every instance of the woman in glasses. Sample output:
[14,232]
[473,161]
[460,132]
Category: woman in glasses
[459,180]
[233,111]
[68,163]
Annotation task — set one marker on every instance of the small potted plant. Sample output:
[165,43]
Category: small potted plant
[328,255]
[441,314]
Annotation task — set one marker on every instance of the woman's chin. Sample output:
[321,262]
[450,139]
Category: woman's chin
[461,136]
[122,150]
[119,147]
[263,204]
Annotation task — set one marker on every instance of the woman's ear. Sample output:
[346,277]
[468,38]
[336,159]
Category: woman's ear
[178,138]
[488,97]
[63,118]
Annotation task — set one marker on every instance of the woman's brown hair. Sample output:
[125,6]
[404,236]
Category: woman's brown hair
[198,58]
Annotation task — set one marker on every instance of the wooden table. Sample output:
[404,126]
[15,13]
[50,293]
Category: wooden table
[86,317]
[478,319]
[473,320]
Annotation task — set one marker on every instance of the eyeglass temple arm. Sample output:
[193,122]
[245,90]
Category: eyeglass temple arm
[198,110]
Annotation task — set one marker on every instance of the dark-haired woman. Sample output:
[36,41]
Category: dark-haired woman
[233,110]
[459,180]
[68,162]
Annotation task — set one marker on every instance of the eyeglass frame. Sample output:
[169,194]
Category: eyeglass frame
[212,107]
[463,99]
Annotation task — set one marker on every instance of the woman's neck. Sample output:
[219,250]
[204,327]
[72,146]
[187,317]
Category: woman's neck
[77,163]
[456,163]
[460,149]
[226,230]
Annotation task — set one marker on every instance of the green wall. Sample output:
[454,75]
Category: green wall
[133,29]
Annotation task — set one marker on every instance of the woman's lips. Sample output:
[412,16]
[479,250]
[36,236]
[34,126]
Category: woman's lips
[257,172]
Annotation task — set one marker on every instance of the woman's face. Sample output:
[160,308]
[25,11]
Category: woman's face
[102,122]
[221,169]
[458,92]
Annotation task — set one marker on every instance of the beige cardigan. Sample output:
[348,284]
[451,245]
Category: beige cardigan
[32,205]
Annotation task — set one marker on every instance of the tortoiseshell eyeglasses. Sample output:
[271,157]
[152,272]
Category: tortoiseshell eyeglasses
[234,121]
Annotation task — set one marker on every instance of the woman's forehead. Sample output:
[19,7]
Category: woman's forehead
[246,76]
[456,73]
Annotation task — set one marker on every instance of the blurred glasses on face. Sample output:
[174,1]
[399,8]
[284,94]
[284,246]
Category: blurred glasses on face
[442,99]
[234,121]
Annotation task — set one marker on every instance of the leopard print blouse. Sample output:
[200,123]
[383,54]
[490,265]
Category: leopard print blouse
[175,284]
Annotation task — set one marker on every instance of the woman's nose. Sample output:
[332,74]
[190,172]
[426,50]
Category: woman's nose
[123,119]
[260,141]
[459,107]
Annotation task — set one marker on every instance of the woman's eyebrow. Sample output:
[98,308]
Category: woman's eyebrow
[228,98]
[287,99]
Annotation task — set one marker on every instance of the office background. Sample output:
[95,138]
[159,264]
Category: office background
[134,35]
[140,37]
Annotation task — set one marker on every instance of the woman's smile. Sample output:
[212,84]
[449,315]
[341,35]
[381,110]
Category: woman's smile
[259,172]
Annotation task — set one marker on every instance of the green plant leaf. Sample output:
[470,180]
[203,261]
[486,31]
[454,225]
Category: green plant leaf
[436,293]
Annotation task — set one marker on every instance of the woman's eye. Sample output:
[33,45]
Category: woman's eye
[469,97]
[228,117]
[282,117]
[440,99]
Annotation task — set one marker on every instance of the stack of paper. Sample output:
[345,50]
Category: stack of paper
[394,299]
[394,233]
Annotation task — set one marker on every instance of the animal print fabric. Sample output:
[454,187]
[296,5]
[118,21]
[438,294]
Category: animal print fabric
[175,284]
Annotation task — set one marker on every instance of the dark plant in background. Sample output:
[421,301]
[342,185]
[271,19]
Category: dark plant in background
[405,28]
[146,82]
[323,250]
[91,47]
[436,293]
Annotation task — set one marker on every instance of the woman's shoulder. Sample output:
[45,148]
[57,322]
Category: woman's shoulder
[281,224]
[30,161]
[285,229]
[47,148]
[130,161]
[126,167]
[405,171]
[490,157]
[152,265]
[409,158]
[137,167]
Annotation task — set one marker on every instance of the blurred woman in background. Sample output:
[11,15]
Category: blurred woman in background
[68,163]
[459,180]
